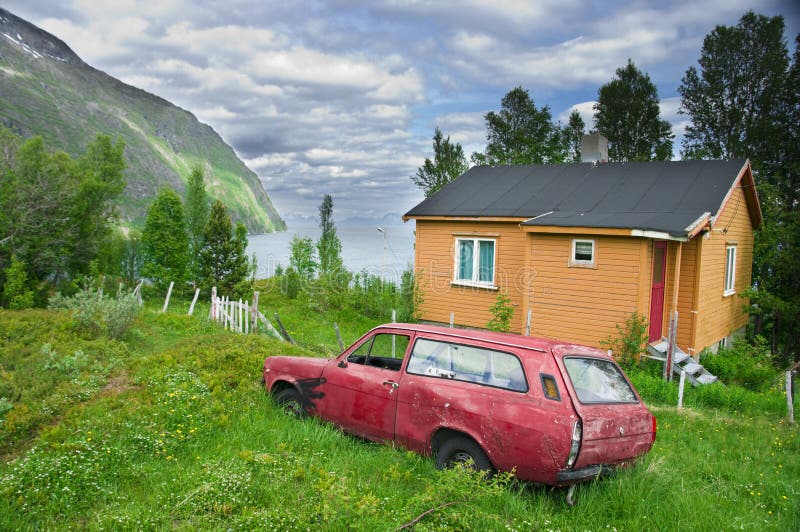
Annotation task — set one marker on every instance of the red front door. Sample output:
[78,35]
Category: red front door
[657,291]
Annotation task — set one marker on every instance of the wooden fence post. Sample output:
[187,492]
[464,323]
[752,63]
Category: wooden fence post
[191,307]
[338,336]
[213,312]
[169,293]
[452,319]
[283,330]
[789,398]
[254,314]
[241,310]
[138,292]
[246,317]
[528,325]
[680,389]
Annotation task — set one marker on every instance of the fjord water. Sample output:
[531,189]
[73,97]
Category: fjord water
[363,249]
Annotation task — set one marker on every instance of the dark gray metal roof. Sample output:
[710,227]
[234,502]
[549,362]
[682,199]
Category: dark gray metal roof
[664,196]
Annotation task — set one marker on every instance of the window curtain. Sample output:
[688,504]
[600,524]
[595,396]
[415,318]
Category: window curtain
[486,264]
[465,259]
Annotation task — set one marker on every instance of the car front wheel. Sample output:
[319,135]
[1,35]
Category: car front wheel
[462,450]
[289,401]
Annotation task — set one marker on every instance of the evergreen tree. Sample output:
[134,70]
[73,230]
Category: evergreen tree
[448,163]
[573,136]
[223,256]
[521,134]
[196,216]
[165,244]
[744,101]
[329,247]
[629,117]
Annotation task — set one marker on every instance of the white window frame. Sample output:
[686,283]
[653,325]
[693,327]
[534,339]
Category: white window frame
[475,262]
[730,270]
[577,262]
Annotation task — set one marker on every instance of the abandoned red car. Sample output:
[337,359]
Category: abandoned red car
[554,413]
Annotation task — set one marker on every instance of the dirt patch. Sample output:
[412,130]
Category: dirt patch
[118,384]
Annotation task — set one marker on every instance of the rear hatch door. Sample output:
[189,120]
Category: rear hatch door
[616,424]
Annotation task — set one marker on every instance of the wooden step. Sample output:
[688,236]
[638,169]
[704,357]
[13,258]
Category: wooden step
[691,368]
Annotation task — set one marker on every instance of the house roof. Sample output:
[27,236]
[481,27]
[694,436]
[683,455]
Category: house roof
[659,196]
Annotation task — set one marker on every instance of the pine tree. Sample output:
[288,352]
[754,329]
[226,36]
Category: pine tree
[196,216]
[165,244]
[329,247]
[223,258]
[448,163]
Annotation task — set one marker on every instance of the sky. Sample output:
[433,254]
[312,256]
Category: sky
[342,97]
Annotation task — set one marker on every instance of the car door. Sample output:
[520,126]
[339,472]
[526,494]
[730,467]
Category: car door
[360,387]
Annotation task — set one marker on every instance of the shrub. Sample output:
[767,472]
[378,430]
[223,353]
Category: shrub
[630,341]
[502,312]
[16,291]
[69,365]
[745,364]
[5,406]
[95,313]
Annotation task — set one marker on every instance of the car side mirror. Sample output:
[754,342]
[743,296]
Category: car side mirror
[342,364]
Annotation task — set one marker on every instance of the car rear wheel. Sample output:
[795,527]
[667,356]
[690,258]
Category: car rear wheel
[289,401]
[462,450]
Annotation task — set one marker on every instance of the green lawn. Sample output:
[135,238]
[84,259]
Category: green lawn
[170,429]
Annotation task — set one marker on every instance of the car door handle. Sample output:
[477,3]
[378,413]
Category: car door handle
[393,384]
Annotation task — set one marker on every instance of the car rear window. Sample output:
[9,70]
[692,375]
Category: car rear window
[467,363]
[598,381]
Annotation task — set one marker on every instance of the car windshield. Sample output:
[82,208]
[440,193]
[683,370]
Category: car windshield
[598,381]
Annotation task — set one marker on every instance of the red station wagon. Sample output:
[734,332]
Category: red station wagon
[554,413]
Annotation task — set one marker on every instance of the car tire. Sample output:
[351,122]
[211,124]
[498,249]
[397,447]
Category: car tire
[288,399]
[462,450]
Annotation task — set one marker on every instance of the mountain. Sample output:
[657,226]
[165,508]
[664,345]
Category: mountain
[47,90]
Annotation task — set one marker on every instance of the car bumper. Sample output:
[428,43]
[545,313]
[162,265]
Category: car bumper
[572,476]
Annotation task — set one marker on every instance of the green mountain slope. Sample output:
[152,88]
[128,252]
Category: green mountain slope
[47,90]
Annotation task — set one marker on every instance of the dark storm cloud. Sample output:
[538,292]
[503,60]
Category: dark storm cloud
[342,96]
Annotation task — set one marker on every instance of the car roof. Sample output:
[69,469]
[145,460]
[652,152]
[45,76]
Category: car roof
[507,339]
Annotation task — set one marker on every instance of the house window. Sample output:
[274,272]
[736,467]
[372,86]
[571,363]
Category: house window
[474,261]
[582,253]
[730,270]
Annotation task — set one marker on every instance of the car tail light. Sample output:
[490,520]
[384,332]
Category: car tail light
[654,429]
[577,436]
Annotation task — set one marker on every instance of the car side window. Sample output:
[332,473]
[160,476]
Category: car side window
[383,350]
[467,363]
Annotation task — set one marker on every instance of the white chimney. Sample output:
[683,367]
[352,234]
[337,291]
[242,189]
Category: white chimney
[594,148]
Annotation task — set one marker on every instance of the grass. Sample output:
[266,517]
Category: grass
[171,429]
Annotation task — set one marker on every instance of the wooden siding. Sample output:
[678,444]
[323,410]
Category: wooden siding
[581,304]
[435,261]
[720,315]
[687,311]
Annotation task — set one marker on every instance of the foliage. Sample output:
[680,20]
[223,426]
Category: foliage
[223,257]
[16,292]
[181,412]
[745,364]
[302,257]
[132,257]
[628,116]
[502,312]
[411,298]
[521,134]
[630,340]
[745,102]
[329,247]
[165,244]
[448,163]
[196,216]
[56,211]
[573,136]
[95,313]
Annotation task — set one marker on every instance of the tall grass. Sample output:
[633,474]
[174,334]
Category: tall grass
[178,433]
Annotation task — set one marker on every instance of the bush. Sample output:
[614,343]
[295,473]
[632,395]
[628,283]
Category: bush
[630,341]
[95,313]
[745,364]
[16,291]
[502,313]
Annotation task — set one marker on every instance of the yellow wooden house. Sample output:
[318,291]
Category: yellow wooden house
[578,247]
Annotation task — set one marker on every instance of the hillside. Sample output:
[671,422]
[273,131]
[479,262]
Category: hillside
[47,90]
